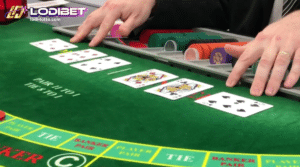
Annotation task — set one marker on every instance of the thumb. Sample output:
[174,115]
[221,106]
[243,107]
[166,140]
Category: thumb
[130,24]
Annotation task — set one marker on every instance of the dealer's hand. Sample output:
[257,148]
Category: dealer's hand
[276,45]
[132,12]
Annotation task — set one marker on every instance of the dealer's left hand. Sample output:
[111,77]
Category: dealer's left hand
[276,46]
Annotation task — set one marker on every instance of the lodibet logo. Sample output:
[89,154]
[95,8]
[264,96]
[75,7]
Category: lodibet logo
[12,14]
[62,12]
[16,12]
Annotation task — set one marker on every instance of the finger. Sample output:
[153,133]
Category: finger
[263,69]
[281,64]
[92,21]
[81,34]
[127,26]
[105,27]
[248,57]
[234,50]
[131,23]
[294,74]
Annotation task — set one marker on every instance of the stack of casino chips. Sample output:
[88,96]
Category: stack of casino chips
[137,44]
[203,51]
[201,41]
[172,45]
[146,34]
[181,39]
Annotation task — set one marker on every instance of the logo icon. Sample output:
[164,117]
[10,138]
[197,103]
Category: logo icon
[12,14]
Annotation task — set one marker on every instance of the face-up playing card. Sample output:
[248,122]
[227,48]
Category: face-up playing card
[53,45]
[234,104]
[145,78]
[179,88]
[100,64]
[72,57]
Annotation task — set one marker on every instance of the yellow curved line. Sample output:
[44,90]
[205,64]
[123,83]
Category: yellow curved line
[182,149]
[45,145]
[117,141]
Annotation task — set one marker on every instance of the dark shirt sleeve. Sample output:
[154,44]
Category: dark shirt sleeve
[186,14]
[246,17]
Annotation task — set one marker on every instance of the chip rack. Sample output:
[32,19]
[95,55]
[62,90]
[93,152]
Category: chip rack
[175,58]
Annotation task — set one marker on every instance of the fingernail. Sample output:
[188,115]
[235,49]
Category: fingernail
[256,92]
[91,44]
[288,83]
[230,83]
[72,39]
[270,91]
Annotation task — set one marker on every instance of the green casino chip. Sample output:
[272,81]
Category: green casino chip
[181,39]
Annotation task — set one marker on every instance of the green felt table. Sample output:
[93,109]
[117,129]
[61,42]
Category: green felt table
[60,116]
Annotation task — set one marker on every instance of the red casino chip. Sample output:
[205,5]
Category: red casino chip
[136,44]
[206,51]
[203,51]
[193,53]
[2,115]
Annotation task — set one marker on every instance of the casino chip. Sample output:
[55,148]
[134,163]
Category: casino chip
[202,41]
[115,31]
[219,56]
[145,35]
[192,54]
[203,51]
[170,45]
[137,44]
[2,115]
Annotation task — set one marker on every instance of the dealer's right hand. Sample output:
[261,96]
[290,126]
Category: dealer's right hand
[132,12]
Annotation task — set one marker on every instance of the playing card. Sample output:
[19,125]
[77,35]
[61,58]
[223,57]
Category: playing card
[81,55]
[145,78]
[234,104]
[53,45]
[179,88]
[100,64]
